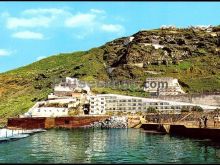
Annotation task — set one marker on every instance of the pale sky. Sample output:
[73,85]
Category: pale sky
[34,30]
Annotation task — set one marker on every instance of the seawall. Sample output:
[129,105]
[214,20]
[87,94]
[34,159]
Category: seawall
[181,130]
[57,122]
[204,133]
[154,127]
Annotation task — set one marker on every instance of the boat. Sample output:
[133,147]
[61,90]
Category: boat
[19,136]
[3,139]
[39,130]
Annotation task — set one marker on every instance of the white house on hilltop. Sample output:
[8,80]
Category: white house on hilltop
[163,86]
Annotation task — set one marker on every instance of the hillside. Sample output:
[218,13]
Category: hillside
[192,56]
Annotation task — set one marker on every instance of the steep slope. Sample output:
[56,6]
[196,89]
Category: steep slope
[22,87]
[190,55]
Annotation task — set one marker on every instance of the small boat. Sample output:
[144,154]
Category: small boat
[3,139]
[39,130]
[28,132]
[19,136]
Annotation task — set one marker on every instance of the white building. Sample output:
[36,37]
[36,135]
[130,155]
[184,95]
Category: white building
[207,28]
[45,108]
[168,27]
[70,85]
[163,86]
[97,105]
[48,112]
[68,94]
[128,40]
[102,103]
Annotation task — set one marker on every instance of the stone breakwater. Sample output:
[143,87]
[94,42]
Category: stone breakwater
[112,122]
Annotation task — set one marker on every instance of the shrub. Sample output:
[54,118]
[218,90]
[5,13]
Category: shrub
[110,113]
[74,112]
[119,113]
[217,110]
[139,113]
[197,109]
[151,110]
[185,109]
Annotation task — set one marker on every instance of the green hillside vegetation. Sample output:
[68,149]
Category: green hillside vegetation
[22,87]
[198,71]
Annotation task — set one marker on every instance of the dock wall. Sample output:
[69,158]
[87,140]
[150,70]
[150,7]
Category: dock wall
[154,127]
[58,122]
[203,133]
[27,123]
[181,130]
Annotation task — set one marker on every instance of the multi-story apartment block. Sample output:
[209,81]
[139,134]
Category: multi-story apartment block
[97,105]
[102,103]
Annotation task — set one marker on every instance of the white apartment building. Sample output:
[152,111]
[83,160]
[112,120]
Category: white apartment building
[163,86]
[48,112]
[46,108]
[97,105]
[65,88]
[102,103]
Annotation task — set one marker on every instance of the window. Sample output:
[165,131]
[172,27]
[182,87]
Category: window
[92,106]
[66,121]
[102,102]
[38,110]
[64,110]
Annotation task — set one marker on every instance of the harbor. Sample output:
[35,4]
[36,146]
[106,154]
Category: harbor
[186,125]
[108,146]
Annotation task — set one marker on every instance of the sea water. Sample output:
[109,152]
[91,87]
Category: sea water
[108,146]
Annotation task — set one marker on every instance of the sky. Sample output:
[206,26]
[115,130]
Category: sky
[30,31]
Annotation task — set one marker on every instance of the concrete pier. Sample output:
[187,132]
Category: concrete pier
[182,130]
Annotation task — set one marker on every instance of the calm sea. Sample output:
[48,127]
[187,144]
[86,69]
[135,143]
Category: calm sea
[108,146]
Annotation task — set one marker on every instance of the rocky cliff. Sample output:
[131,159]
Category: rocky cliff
[190,54]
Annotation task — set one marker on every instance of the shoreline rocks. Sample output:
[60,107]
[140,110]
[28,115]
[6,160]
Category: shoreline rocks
[112,122]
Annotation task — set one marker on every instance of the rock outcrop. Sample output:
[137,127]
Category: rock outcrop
[112,122]
[159,47]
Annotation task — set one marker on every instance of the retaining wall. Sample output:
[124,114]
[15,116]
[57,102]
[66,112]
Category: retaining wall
[27,123]
[181,130]
[58,122]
